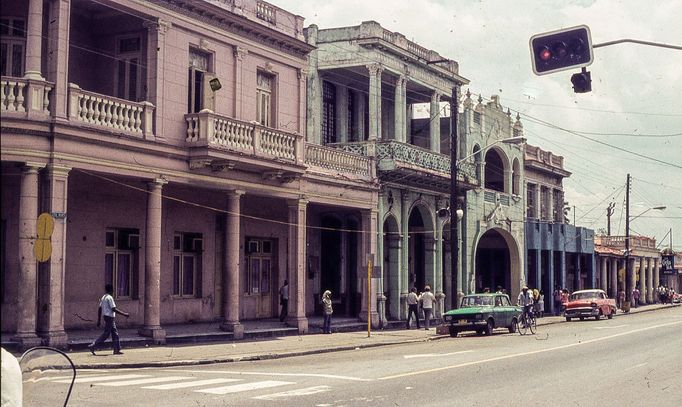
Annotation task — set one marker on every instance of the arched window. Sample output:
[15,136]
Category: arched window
[494,171]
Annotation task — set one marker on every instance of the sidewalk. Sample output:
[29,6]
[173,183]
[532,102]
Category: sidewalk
[268,348]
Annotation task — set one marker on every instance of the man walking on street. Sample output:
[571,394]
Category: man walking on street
[412,307]
[107,307]
[427,298]
[284,301]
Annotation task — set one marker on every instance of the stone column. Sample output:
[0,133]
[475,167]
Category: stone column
[360,106]
[34,33]
[302,78]
[400,106]
[632,277]
[577,273]
[375,101]
[549,298]
[58,56]
[657,275]
[369,244]
[649,282]
[396,287]
[438,283]
[538,204]
[613,292]
[152,264]
[404,252]
[550,205]
[341,119]
[434,123]
[53,301]
[408,124]
[156,61]
[602,274]
[642,282]
[231,281]
[379,261]
[239,54]
[26,295]
[296,261]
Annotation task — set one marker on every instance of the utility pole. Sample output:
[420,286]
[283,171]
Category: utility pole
[454,241]
[628,270]
[609,211]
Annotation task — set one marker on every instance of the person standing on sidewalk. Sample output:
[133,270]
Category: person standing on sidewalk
[557,301]
[635,297]
[427,298]
[107,307]
[284,301]
[413,306]
[327,308]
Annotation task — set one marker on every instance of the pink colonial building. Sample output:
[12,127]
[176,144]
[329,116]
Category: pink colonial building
[167,139]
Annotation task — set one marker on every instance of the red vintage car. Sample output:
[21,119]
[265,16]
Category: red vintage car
[590,303]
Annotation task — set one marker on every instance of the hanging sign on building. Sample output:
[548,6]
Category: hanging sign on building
[668,264]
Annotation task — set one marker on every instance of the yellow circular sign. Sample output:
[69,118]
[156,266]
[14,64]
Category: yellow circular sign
[42,248]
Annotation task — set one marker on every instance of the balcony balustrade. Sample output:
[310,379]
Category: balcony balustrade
[209,129]
[107,112]
[334,159]
[19,95]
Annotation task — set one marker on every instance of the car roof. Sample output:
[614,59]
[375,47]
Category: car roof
[483,294]
[592,290]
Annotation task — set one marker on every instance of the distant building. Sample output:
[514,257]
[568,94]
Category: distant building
[558,254]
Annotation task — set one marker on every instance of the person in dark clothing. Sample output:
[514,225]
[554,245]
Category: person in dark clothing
[413,307]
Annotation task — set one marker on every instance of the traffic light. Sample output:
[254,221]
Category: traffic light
[582,82]
[561,49]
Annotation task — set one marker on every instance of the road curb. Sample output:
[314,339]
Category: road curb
[249,358]
[270,356]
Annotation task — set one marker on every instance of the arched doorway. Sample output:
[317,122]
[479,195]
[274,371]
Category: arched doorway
[421,248]
[498,262]
[391,268]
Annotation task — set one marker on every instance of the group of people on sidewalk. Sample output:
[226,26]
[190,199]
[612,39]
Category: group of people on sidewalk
[415,301]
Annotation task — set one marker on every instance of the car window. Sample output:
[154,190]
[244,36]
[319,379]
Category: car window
[505,301]
[498,301]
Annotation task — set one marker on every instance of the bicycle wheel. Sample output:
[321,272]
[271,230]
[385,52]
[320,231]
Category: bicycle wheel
[522,327]
[532,324]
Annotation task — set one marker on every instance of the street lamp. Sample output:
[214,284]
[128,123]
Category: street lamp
[457,213]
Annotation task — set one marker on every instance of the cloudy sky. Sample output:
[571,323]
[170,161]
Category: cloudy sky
[635,103]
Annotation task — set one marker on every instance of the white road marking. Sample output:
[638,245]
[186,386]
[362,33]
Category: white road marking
[243,387]
[433,355]
[103,378]
[293,393]
[516,355]
[324,376]
[634,367]
[610,327]
[144,381]
[195,383]
[41,379]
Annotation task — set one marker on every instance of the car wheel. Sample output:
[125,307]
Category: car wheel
[568,319]
[512,327]
[598,317]
[489,327]
[610,316]
[453,331]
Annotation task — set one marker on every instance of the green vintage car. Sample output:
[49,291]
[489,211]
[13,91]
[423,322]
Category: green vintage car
[483,313]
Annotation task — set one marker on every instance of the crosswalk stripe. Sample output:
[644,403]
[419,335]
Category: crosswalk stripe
[102,378]
[243,387]
[42,379]
[291,393]
[144,381]
[184,385]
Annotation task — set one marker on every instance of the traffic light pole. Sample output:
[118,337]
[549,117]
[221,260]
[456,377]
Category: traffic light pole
[628,269]
[653,44]
[454,241]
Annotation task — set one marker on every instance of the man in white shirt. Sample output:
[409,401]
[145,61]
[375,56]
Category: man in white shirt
[107,307]
[284,301]
[412,307]
[427,298]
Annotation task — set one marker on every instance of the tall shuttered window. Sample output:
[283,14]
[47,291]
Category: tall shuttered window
[328,112]
[12,46]
[264,90]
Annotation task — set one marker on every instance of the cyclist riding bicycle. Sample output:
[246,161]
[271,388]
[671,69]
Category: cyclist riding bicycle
[525,300]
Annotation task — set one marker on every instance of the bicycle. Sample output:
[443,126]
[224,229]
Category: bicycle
[526,322]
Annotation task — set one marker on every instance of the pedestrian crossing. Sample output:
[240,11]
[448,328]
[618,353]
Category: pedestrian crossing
[213,386]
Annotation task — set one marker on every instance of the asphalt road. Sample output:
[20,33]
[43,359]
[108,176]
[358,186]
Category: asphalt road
[628,361]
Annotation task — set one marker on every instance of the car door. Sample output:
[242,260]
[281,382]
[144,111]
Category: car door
[502,311]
